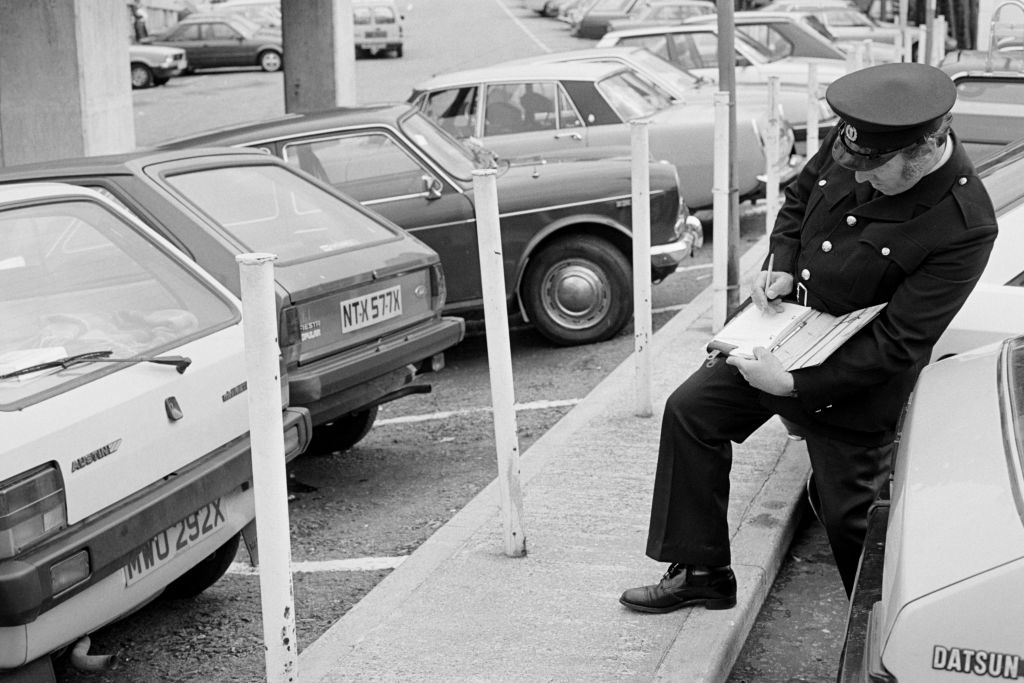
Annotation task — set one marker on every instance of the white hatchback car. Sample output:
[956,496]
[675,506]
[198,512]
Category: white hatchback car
[124,464]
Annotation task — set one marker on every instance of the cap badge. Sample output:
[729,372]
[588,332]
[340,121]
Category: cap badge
[851,133]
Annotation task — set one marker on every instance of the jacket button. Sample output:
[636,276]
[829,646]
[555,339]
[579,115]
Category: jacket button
[805,274]
[851,220]
[885,251]
[826,246]
[962,180]
[822,182]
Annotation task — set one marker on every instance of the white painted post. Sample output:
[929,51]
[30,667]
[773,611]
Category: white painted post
[771,191]
[499,358]
[922,44]
[868,57]
[855,58]
[938,40]
[812,110]
[266,433]
[898,41]
[720,214]
[642,325]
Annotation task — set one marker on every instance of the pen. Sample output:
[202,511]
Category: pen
[768,280]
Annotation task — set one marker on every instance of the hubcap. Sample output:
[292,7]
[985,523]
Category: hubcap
[575,294]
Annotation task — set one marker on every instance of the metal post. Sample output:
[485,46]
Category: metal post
[720,221]
[771,192]
[922,44]
[266,433]
[642,326]
[812,110]
[929,41]
[499,358]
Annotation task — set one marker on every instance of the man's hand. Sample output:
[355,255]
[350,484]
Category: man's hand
[764,294]
[764,372]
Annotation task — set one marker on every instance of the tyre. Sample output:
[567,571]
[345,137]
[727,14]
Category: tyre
[578,291]
[398,51]
[344,433]
[205,574]
[270,60]
[160,81]
[142,77]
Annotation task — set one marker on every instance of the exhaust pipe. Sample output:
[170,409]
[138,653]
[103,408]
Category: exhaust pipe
[83,661]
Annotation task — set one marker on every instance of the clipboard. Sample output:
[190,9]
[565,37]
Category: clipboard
[799,336]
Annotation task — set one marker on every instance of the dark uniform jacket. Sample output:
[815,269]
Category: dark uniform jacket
[921,251]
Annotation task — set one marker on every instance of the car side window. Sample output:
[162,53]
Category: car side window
[502,113]
[705,46]
[454,110]
[568,115]
[188,32]
[366,167]
[222,32]
[656,44]
[768,37]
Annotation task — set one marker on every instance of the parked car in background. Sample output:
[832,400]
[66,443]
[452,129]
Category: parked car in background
[591,20]
[694,47]
[266,13]
[661,12]
[526,108]
[565,223]
[684,87]
[219,40]
[359,300]
[784,34]
[154,64]
[379,27]
[989,109]
[124,464]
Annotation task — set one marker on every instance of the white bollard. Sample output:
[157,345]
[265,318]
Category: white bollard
[771,191]
[868,58]
[270,490]
[720,214]
[499,358]
[922,44]
[812,110]
[897,45]
[642,325]
[938,40]
[855,58]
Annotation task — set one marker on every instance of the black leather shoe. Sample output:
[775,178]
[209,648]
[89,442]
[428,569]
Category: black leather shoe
[680,587]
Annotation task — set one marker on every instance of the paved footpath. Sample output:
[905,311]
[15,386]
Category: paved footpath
[459,609]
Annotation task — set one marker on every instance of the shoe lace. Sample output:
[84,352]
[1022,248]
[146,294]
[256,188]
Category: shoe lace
[674,570]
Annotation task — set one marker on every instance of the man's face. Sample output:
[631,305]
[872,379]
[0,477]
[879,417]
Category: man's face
[899,174]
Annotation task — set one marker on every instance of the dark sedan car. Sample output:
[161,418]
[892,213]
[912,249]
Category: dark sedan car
[217,40]
[359,299]
[565,225]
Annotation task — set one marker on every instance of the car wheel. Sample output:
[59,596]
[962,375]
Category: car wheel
[578,291]
[205,574]
[344,433]
[270,60]
[398,51]
[142,77]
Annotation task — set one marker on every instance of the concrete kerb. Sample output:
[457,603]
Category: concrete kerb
[705,648]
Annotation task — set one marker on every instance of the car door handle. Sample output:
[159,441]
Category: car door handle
[573,136]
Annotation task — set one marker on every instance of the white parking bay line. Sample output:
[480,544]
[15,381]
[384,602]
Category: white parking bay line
[445,414]
[358,564]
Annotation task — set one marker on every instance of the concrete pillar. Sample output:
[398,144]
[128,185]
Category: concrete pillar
[319,55]
[65,89]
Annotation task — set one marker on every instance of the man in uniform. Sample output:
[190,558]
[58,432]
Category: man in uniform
[889,210]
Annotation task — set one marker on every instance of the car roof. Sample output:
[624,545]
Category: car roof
[126,163]
[574,71]
[657,30]
[294,124]
[588,52]
[19,192]
[755,16]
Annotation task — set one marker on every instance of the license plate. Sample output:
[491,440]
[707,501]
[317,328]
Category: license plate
[375,34]
[175,539]
[369,309]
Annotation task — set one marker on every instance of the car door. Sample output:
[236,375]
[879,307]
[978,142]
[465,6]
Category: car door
[226,46]
[377,169]
[189,38]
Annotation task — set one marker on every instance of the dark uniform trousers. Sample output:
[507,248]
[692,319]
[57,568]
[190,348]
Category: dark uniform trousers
[689,514]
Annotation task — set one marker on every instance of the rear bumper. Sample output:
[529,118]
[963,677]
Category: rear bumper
[114,536]
[342,383]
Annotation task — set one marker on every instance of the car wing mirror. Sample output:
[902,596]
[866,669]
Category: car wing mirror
[432,187]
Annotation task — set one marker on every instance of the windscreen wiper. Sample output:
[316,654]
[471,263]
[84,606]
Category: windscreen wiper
[180,363]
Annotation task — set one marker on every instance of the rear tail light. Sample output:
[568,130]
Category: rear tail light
[290,336]
[438,288]
[32,507]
